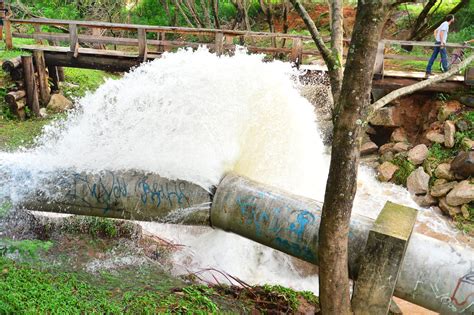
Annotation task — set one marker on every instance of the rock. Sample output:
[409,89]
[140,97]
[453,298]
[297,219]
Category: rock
[463,164]
[446,208]
[43,112]
[417,182]
[59,103]
[435,136]
[386,171]
[370,160]
[440,181]
[460,194]
[467,100]
[468,144]
[401,147]
[444,171]
[462,125]
[425,200]
[370,130]
[418,154]
[442,189]
[465,211]
[368,148]
[399,135]
[449,108]
[387,147]
[449,130]
[387,156]
[384,117]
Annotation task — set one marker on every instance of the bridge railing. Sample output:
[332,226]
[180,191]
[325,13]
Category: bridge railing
[152,40]
[149,41]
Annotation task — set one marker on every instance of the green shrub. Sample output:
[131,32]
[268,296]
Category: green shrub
[405,169]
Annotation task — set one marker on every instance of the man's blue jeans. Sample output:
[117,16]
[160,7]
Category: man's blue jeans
[444,58]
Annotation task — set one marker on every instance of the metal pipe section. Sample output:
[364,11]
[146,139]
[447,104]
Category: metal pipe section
[434,274]
[124,195]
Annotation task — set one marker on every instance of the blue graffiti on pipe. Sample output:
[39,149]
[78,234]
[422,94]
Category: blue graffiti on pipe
[287,235]
[155,193]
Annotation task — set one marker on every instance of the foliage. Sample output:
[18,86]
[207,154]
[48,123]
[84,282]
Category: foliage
[16,134]
[277,292]
[81,81]
[23,248]
[97,227]
[5,207]
[440,153]
[405,169]
[466,224]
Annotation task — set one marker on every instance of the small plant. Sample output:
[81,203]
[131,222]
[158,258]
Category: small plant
[405,169]
[5,207]
[25,248]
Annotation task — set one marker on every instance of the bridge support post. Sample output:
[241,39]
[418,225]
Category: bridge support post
[219,43]
[73,40]
[42,77]
[297,51]
[382,259]
[142,45]
[30,85]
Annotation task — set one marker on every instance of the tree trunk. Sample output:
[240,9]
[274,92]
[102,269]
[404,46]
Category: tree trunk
[342,181]
[337,36]
[215,12]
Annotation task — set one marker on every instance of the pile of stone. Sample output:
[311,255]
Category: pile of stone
[447,183]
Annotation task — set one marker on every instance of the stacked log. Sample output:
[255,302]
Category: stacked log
[31,84]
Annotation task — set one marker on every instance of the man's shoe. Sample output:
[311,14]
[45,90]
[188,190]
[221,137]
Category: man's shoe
[428,74]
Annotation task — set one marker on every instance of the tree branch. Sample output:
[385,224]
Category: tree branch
[417,86]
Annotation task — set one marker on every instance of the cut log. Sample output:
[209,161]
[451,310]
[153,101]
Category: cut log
[40,65]
[9,65]
[17,74]
[14,96]
[30,85]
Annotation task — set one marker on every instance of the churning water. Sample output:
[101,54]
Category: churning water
[195,116]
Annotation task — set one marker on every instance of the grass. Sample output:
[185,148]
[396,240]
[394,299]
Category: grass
[466,224]
[405,169]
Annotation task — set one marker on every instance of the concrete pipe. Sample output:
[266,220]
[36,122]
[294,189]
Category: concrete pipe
[434,274]
[123,195]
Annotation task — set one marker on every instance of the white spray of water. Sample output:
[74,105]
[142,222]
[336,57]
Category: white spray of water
[196,116]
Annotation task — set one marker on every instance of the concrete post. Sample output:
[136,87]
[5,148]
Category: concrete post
[381,260]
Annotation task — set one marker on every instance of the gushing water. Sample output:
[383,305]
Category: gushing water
[195,116]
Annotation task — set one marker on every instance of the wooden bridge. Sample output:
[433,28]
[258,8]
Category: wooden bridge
[118,47]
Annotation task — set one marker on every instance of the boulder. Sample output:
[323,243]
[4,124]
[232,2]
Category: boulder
[467,100]
[425,200]
[439,181]
[462,193]
[444,171]
[387,156]
[401,147]
[465,211]
[435,136]
[384,117]
[418,154]
[386,171]
[468,144]
[368,148]
[417,182]
[442,189]
[59,103]
[462,125]
[463,164]
[446,208]
[387,147]
[399,135]
[43,112]
[449,130]
[447,109]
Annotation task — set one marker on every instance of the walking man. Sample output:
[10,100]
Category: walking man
[441,36]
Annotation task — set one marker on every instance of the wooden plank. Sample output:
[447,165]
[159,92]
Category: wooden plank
[88,61]
[391,84]
[219,44]
[423,44]
[401,57]
[142,45]
[30,85]
[53,74]
[89,51]
[296,55]
[417,75]
[379,60]
[40,65]
[229,40]
[73,39]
